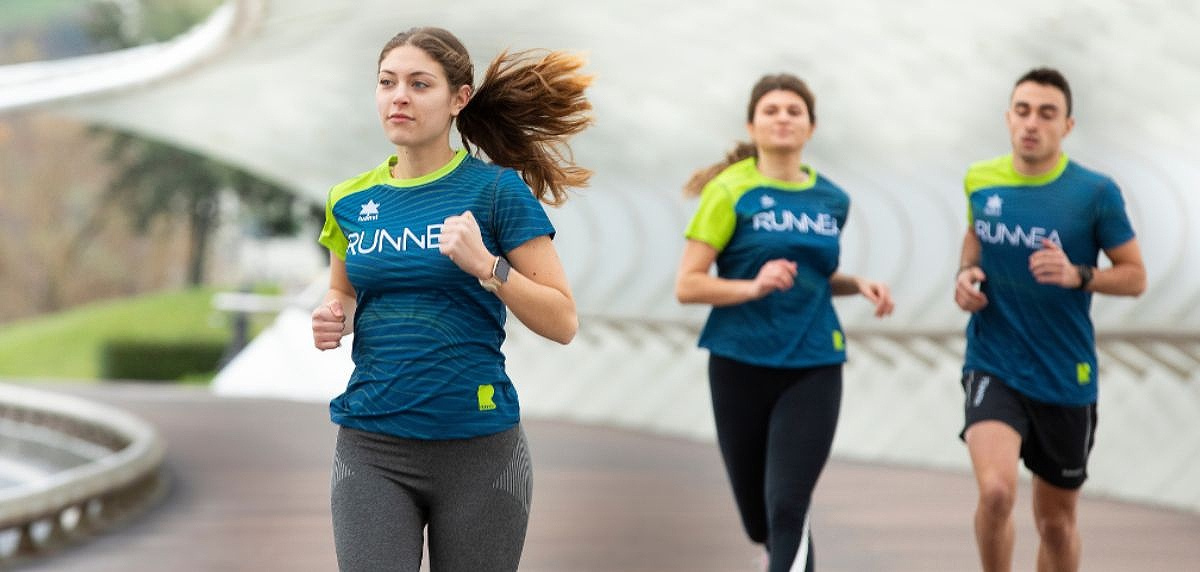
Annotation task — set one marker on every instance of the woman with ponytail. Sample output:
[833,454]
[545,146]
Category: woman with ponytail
[428,251]
[772,225]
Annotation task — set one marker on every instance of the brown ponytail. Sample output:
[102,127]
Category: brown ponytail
[765,84]
[521,116]
[700,178]
[527,106]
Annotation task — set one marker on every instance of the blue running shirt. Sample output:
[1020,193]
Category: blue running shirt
[751,219]
[1039,338]
[427,336]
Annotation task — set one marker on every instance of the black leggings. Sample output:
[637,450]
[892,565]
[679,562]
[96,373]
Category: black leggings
[775,428]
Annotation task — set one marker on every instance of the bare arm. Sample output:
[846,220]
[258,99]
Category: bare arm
[334,318]
[843,284]
[694,285]
[1126,276]
[970,275]
[537,291]
[877,293]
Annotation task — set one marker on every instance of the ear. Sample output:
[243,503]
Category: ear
[1070,126]
[460,99]
[750,130]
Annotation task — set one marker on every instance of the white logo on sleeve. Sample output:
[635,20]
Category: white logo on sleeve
[993,206]
[767,202]
[369,212]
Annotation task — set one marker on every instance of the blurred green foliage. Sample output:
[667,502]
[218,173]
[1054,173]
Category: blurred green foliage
[69,344]
[158,360]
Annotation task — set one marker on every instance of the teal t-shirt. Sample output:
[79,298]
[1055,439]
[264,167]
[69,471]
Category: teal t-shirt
[1039,338]
[427,336]
[751,219]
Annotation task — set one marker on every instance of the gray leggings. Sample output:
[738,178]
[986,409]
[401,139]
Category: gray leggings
[473,494]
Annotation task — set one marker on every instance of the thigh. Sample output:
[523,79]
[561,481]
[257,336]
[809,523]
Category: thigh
[481,512]
[802,426]
[989,399]
[377,523]
[742,402]
[1052,503]
[1060,443]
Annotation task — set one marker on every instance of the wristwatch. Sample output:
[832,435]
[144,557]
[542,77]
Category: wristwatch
[1085,276]
[499,275]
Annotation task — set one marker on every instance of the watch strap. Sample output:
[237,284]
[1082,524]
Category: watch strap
[1086,273]
[500,270]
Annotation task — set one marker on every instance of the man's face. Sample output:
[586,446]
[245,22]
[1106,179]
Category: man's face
[1037,122]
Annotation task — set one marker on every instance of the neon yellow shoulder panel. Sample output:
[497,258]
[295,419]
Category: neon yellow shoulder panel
[999,172]
[332,236]
[716,218]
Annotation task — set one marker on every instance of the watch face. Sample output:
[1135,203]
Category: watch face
[502,269]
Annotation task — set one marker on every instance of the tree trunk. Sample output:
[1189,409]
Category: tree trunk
[202,216]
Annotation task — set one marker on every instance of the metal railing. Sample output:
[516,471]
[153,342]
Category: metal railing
[76,502]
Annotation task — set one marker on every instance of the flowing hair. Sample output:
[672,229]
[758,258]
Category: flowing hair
[743,150]
[527,106]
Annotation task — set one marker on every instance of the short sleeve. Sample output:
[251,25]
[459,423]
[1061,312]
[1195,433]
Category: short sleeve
[715,218]
[332,236]
[1112,222]
[519,217]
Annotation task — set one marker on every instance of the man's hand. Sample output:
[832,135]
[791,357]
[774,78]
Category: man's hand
[1051,266]
[966,289]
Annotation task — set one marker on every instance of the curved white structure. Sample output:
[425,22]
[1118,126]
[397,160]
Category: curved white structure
[38,83]
[908,94]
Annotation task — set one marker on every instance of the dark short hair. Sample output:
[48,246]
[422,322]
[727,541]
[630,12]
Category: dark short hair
[1050,77]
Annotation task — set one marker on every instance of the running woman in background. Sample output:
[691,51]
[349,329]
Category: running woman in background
[773,226]
[427,251]
[1036,223]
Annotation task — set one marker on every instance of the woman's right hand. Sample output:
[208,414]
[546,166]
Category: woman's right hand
[328,325]
[777,274]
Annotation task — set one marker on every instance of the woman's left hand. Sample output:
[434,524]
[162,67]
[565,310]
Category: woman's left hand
[879,294]
[462,243]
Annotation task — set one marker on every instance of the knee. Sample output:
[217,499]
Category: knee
[787,516]
[997,497]
[1056,529]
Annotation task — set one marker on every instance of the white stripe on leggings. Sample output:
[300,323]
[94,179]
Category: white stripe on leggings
[800,562]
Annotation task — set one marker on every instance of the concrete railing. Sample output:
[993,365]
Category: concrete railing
[72,503]
[901,401]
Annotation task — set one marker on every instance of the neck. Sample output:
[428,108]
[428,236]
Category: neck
[1035,167]
[416,162]
[781,166]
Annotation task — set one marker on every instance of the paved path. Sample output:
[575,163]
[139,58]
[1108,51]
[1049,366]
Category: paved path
[249,491]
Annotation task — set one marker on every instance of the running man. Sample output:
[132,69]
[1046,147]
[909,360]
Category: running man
[1037,222]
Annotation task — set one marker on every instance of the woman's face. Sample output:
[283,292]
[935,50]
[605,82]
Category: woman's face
[781,122]
[414,99]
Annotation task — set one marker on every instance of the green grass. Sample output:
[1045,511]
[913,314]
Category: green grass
[68,344]
[24,13]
